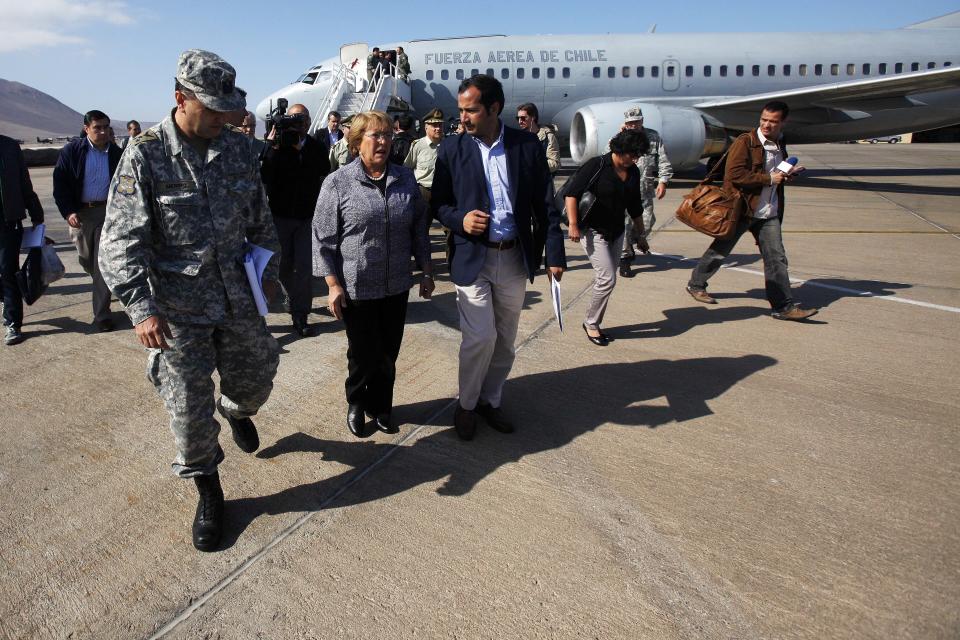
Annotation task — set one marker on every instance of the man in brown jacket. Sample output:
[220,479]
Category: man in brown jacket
[752,167]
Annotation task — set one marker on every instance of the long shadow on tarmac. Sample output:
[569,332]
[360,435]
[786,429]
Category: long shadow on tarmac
[617,393]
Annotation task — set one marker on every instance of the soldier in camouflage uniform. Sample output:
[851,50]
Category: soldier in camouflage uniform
[184,201]
[655,172]
[403,64]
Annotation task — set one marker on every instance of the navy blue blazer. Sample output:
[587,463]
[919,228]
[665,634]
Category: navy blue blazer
[68,174]
[459,187]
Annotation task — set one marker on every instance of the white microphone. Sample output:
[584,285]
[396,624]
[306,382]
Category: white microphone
[787,165]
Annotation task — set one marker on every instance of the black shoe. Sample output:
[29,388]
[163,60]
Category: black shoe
[465,422]
[625,268]
[385,424]
[302,328]
[105,326]
[14,336]
[208,522]
[600,341]
[356,421]
[244,431]
[494,417]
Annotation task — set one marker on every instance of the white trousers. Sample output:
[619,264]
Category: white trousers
[489,317]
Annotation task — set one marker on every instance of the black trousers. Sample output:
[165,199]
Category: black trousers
[374,334]
[11,234]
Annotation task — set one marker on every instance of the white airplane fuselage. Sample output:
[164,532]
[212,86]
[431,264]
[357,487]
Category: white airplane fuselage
[563,75]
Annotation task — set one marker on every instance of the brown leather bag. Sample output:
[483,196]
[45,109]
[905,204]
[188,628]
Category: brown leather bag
[711,209]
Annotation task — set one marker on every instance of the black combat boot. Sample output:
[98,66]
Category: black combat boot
[208,523]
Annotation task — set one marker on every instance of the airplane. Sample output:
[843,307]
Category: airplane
[697,90]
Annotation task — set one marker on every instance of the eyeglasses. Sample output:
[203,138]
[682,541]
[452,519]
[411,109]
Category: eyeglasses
[380,136]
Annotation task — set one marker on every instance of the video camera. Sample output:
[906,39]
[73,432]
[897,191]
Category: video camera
[287,127]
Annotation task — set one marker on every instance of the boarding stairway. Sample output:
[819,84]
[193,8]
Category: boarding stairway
[351,93]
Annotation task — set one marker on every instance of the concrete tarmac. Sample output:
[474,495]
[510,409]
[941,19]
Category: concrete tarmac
[712,473]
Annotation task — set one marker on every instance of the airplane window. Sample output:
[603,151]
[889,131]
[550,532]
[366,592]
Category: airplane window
[771,69]
[535,72]
[474,72]
[755,70]
[851,69]
[444,74]
[551,72]
[671,71]
[898,67]
[596,72]
[723,70]
[931,65]
[803,69]
[504,73]
[611,72]
[654,71]
[947,64]
[309,78]
[640,72]
[834,69]
[914,66]
[818,69]
[520,73]
[566,72]
[429,74]
[626,72]
[739,69]
[459,74]
[786,69]
[866,68]
[707,71]
[689,71]
[882,68]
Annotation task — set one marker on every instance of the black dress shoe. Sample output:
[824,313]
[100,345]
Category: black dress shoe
[302,328]
[625,269]
[385,424]
[208,522]
[356,421]
[244,431]
[465,422]
[600,341]
[494,417]
[105,326]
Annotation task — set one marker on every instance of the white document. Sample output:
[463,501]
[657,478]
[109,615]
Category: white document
[555,298]
[33,236]
[785,167]
[254,262]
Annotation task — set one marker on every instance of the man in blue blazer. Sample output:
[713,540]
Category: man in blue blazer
[491,188]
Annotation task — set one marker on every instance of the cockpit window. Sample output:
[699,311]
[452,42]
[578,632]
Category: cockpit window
[309,78]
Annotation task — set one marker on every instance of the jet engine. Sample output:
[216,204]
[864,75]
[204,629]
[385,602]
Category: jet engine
[687,134]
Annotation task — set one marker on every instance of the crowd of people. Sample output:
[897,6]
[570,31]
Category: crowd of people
[165,227]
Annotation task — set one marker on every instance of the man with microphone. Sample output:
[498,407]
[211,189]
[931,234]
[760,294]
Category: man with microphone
[757,165]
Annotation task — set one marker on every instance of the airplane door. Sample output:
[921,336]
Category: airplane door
[354,57]
[671,75]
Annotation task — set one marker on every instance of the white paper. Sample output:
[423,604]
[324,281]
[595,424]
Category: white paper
[555,297]
[33,236]
[785,167]
[254,262]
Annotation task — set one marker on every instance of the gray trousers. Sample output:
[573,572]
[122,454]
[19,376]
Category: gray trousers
[296,263]
[630,236]
[489,318]
[87,241]
[770,238]
[603,259]
[246,357]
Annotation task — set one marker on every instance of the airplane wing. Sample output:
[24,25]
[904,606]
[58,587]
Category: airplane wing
[874,94]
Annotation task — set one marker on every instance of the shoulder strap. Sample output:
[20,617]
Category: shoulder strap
[707,179]
[596,176]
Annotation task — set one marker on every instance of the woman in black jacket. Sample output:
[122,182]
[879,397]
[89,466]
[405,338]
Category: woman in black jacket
[614,180]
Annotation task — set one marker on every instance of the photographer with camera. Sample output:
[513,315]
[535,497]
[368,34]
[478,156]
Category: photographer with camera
[294,166]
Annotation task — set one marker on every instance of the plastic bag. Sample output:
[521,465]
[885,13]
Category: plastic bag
[51,267]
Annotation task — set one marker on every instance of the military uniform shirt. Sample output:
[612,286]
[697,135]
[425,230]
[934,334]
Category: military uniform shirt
[423,160]
[176,227]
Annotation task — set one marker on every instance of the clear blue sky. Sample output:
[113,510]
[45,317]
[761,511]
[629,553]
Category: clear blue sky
[121,56]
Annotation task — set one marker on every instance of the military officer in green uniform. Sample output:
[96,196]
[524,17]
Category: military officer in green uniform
[422,157]
[183,204]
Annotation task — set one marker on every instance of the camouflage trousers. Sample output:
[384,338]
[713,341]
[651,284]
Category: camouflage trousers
[630,235]
[245,355]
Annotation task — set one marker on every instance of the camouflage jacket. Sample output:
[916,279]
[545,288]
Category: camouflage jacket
[551,146]
[655,165]
[176,226]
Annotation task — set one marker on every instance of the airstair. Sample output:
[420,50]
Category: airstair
[350,93]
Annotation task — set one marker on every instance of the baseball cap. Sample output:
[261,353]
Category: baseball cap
[633,114]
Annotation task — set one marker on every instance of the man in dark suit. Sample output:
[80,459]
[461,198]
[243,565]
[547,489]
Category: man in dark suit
[491,189]
[329,135]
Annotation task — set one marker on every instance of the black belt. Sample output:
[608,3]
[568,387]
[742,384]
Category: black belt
[503,245]
[91,205]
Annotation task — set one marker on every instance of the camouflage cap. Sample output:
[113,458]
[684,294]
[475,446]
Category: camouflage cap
[434,117]
[633,114]
[211,79]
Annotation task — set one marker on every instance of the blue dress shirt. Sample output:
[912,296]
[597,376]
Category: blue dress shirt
[502,225]
[96,174]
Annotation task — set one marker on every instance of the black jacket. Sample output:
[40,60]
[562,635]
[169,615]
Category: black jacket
[16,189]
[401,147]
[613,196]
[322,136]
[292,178]
[68,174]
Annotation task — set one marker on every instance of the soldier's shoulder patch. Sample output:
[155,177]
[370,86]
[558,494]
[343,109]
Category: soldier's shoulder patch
[126,185]
[147,136]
